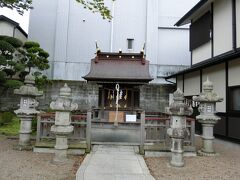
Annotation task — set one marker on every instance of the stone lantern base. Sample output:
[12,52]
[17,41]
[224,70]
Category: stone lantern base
[177,153]
[207,135]
[25,132]
[61,146]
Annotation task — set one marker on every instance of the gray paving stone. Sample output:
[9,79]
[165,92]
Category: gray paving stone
[107,162]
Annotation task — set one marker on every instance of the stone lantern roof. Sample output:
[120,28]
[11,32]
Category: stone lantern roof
[65,91]
[64,101]
[178,107]
[208,95]
[28,89]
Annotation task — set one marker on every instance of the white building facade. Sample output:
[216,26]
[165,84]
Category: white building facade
[8,27]
[215,53]
[68,32]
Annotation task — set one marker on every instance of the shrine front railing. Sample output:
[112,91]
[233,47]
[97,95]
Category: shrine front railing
[46,120]
[154,130]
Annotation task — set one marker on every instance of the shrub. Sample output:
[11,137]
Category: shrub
[34,124]
[11,83]
[6,117]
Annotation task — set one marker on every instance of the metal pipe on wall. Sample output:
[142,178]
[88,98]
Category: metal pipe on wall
[112,26]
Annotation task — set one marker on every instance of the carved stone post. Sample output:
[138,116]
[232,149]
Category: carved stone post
[178,111]
[62,128]
[207,117]
[27,110]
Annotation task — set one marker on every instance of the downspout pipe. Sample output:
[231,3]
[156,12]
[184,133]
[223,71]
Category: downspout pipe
[146,28]
[112,26]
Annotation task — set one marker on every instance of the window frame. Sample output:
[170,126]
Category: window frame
[200,31]
[128,41]
[230,98]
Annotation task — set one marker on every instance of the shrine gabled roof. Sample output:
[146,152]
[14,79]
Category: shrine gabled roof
[119,67]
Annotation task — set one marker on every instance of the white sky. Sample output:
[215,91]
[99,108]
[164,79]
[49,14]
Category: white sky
[12,14]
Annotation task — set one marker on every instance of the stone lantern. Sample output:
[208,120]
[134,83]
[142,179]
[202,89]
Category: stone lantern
[27,110]
[178,111]
[62,127]
[207,117]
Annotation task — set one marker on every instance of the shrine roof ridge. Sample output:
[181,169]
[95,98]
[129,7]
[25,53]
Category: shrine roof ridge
[119,55]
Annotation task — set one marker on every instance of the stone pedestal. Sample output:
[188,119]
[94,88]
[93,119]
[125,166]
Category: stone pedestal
[177,152]
[27,110]
[177,131]
[207,117]
[25,130]
[62,127]
[61,142]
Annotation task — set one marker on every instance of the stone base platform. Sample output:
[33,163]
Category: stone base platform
[202,153]
[161,150]
[74,148]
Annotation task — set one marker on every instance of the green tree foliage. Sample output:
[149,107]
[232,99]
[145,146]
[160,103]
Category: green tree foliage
[6,117]
[19,5]
[97,6]
[92,5]
[18,59]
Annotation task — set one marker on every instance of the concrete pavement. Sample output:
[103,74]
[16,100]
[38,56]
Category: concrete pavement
[113,162]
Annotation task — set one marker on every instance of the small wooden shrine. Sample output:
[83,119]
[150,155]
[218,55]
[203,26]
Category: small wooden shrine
[119,76]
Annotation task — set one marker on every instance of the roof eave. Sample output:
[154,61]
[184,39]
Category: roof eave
[185,19]
[117,79]
[209,62]
[122,81]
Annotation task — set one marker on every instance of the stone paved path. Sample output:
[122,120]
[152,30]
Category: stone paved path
[108,162]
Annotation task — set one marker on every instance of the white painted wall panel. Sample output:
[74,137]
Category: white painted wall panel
[222,23]
[61,38]
[130,23]
[68,32]
[173,47]
[169,16]
[59,70]
[76,70]
[170,12]
[152,31]
[180,82]
[201,53]
[84,28]
[192,83]
[18,34]
[238,22]
[216,74]
[42,26]
[234,73]
[6,28]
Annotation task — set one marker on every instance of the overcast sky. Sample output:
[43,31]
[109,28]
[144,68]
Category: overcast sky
[12,14]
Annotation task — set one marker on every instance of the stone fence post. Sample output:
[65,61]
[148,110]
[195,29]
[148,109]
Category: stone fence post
[88,131]
[207,117]
[62,127]
[27,110]
[142,133]
[178,111]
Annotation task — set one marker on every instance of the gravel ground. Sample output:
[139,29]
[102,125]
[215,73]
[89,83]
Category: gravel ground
[226,165]
[26,165]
